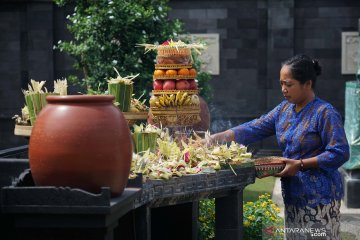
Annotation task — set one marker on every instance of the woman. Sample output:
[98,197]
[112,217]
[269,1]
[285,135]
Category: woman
[311,136]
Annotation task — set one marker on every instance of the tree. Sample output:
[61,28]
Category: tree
[105,36]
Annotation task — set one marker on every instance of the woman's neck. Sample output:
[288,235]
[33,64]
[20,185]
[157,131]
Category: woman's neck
[301,105]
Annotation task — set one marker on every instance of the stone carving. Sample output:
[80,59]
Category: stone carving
[349,52]
[210,57]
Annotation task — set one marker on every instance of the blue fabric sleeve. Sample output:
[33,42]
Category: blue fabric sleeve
[257,129]
[336,147]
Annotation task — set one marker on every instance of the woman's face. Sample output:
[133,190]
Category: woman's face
[292,89]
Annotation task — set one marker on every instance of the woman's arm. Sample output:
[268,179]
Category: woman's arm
[336,148]
[249,132]
[293,166]
[335,144]
[226,136]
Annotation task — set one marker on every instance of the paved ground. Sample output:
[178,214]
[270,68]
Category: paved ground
[350,217]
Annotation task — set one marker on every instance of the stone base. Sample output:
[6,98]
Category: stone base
[351,181]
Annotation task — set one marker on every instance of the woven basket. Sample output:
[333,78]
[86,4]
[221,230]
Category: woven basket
[176,116]
[268,166]
[167,77]
[172,66]
[161,92]
[132,117]
[171,51]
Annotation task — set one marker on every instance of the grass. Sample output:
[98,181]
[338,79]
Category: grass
[261,186]
[347,236]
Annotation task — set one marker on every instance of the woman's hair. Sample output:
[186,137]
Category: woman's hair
[303,68]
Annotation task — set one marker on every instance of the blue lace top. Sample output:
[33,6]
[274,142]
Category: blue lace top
[316,130]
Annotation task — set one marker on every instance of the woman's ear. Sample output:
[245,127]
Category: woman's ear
[308,84]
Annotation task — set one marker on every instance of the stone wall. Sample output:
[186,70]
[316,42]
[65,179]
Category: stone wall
[255,36]
[29,30]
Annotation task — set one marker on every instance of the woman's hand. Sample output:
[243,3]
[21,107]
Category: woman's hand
[221,137]
[291,168]
[207,141]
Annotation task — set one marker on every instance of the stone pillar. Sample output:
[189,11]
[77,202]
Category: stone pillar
[350,173]
[229,224]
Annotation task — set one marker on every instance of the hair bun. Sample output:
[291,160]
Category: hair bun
[317,67]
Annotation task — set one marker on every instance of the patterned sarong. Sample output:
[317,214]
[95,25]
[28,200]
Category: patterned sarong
[318,223]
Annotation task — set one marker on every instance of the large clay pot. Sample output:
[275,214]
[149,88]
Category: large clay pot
[204,124]
[82,142]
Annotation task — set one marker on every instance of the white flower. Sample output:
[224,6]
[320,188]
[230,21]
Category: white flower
[114,62]
[143,32]
[111,17]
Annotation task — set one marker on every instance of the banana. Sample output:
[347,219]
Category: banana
[183,98]
[187,101]
[166,100]
[161,101]
[153,99]
[177,98]
[157,104]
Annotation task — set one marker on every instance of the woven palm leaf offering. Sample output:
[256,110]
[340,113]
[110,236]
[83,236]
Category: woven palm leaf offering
[174,100]
[174,159]
[268,166]
[35,97]
[122,89]
[145,137]
[35,101]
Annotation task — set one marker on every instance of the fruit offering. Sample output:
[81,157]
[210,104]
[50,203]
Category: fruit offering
[175,100]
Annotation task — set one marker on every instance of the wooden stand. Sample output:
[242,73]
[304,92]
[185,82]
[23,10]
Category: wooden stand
[22,130]
[131,117]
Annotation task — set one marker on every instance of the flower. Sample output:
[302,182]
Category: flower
[259,214]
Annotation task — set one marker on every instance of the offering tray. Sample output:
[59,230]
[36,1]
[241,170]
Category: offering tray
[268,166]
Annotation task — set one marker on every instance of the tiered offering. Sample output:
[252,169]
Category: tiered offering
[175,100]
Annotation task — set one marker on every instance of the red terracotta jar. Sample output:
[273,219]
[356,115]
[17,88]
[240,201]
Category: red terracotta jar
[81,141]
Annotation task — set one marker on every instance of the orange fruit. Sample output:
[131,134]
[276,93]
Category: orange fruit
[159,72]
[171,72]
[183,71]
[192,72]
